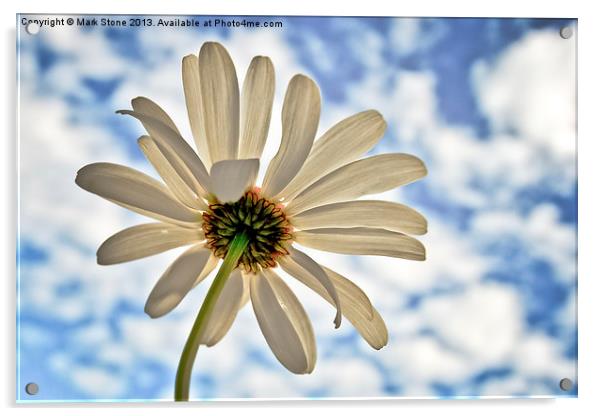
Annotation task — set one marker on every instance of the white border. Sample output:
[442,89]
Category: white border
[590,205]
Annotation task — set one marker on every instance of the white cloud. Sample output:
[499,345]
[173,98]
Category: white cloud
[484,321]
[97,382]
[420,360]
[254,381]
[530,89]
[537,355]
[409,34]
[345,377]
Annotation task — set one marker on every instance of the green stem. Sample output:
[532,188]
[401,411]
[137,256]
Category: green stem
[237,247]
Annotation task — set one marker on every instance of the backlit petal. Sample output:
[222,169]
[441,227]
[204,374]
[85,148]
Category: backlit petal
[220,101]
[300,117]
[299,263]
[192,93]
[356,307]
[145,240]
[177,151]
[172,179]
[345,142]
[256,107]
[374,214]
[136,191]
[224,311]
[283,322]
[177,281]
[372,175]
[362,241]
[230,178]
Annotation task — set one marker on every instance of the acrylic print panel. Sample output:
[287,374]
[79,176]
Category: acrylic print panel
[482,304]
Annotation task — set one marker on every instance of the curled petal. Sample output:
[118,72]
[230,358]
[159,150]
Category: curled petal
[356,307]
[299,263]
[180,155]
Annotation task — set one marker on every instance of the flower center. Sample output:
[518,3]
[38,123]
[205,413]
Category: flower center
[264,223]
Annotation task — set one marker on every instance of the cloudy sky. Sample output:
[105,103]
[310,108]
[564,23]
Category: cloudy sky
[488,104]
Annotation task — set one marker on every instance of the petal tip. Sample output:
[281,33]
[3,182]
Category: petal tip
[156,307]
[211,45]
[137,100]
[101,257]
[80,178]
[310,368]
[189,57]
[421,166]
[262,58]
[305,79]
[152,314]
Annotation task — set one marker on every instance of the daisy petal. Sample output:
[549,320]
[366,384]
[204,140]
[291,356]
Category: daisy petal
[192,93]
[345,142]
[177,281]
[177,151]
[283,322]
[224,312]
[246,294]
[173,180]
[149,107]
[362,241]
[209,267]
[300,117]
[256,107]
[374,214]
[372,175]
[220,101]
[230,178]
[136,191]
[374,331]
[145,240]
[356,307]
[300,264]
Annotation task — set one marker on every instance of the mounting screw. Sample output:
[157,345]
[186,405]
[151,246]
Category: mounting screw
[566,32]
[566,384]
[32,28]
[32,389]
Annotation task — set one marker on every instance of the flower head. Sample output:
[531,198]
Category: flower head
[308,197]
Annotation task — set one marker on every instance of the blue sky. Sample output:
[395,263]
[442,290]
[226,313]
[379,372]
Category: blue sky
[488,104]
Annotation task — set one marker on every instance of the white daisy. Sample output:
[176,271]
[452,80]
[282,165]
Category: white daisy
[210,201]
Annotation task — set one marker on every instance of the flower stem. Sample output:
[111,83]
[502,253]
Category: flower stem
[237,247]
